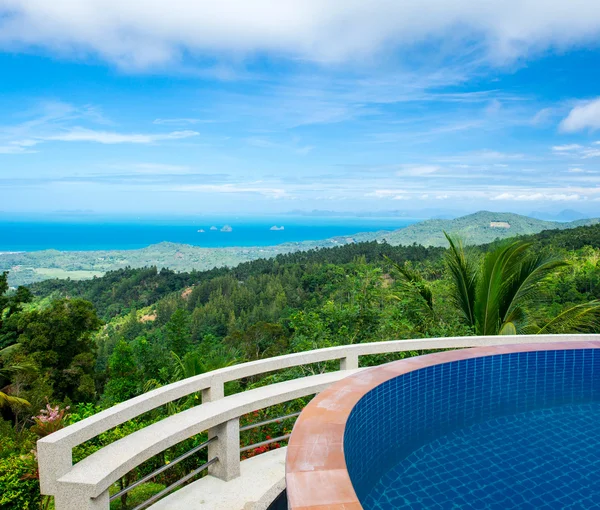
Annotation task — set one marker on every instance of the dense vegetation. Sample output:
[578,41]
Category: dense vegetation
[73,348]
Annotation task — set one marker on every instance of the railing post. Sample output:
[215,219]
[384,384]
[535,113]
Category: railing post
[54,461]
[350,362]
[226,448]
[215,392]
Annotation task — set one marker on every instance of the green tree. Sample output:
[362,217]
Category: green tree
[261,340]
[178,332]
[59,340]
[123,375]
[501,293]
[10,305]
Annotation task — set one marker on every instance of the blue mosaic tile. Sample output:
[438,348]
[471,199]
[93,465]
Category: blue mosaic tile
[435,437]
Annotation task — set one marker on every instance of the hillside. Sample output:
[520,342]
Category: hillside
[29,267]
[473,229]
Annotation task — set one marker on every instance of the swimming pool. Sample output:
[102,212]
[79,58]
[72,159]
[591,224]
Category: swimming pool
[513,430]
[501,426]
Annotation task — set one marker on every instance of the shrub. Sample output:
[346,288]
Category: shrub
[19,486]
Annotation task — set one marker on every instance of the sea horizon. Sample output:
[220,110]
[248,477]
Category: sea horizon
[27,233]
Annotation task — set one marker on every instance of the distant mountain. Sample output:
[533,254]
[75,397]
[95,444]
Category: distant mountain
[478,228]
[566,215]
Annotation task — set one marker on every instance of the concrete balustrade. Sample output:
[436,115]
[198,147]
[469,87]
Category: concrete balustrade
[85,485]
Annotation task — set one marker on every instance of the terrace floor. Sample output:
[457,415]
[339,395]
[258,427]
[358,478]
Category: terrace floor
[262,480]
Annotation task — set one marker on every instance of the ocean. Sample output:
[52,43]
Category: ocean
[96,233]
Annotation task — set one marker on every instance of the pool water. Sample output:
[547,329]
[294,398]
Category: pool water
[547,458]
[515,430]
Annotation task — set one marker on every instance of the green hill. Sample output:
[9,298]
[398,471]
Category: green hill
[479,228]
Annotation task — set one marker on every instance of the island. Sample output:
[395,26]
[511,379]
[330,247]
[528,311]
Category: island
[226,228]
[214,228]
[275,227]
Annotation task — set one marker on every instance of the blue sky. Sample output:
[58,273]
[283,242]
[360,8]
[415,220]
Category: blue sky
[185,107]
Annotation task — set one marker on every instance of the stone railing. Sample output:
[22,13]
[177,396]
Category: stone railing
[86,484]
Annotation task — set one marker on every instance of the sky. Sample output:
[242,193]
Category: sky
[264,107]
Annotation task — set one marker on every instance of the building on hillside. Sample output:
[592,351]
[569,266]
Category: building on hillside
[499,224]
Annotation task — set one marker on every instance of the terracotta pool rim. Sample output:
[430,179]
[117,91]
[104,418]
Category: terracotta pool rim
[316,474]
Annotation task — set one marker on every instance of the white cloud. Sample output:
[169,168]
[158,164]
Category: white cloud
[536,197]
[418,170]
[577,151]
[110,137]
[542,117]
[567,148]
[294,145]
[181,121]
[577,170]
[232,188]
[582,117]
[138,33]
[14,149]
[18,147]
[590,153]
[385,193]
[152,168]
[484,156]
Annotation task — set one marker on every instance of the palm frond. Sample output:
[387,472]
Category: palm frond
[464,271]
[508,328]
[151,384]
[20,368]
[414,282]
[490,289]
[192,365]
[9,400]
[522,289]
[221,358]
[583,318]
[179,371]
[523,321]
[9,350]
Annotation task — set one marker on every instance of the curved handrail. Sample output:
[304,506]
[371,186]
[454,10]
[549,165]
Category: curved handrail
[55,450]
[95,425]
[101,469]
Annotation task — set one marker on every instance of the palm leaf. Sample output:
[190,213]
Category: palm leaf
[21,368]
[9,400]
[523,322]
[179,371]
[489,291]
[414,282]
[464,272]
[508,328]
[220,358]
[583,318]
[523,288]
[9,350]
